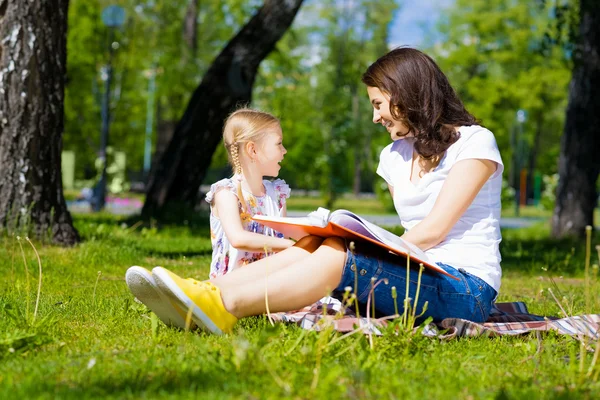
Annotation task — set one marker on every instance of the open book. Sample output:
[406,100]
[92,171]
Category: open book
[346,224]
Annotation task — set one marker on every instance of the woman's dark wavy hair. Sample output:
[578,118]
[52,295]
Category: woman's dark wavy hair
[421,97]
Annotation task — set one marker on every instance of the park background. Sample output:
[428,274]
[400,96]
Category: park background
[510,64]
[146,88]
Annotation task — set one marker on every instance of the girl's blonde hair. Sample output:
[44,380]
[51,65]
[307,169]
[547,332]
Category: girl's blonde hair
[242,126]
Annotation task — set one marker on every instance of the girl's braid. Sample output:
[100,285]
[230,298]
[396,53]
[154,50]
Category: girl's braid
[235,159]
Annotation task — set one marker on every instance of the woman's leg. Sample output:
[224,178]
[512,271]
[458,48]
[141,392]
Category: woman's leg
[301,249]
[300,284]
[466,297]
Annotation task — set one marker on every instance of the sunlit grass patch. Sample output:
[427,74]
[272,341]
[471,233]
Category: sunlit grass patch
[91,339]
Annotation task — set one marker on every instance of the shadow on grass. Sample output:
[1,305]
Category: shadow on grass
[143,383]
[175,254]
[526,250]
[196,225]
[533,250]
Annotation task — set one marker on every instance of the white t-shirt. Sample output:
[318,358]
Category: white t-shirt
[472,243]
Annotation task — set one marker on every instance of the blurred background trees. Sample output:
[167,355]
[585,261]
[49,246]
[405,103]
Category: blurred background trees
[226,85]
[511,61]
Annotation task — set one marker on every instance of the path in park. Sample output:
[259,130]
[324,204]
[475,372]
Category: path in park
[392,220]
[131,207]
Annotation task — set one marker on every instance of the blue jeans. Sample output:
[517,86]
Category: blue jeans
[468,298]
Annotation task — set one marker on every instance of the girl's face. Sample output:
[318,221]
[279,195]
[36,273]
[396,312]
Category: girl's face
[270,152]
[383,116]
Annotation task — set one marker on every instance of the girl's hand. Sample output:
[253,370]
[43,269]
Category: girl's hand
[227,210]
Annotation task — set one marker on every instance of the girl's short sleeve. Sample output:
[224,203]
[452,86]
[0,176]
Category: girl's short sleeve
[282,191]
[226,184]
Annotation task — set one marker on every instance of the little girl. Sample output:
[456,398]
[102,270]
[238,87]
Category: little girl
[254,144]
[253,140]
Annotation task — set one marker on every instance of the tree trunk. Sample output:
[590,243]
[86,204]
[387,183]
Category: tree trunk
[32,75]
[579,164]
[535,150]
[190,26]
[359,148]
[227,84]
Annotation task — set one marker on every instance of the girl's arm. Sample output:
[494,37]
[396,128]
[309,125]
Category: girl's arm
[226,205]
[283,211]
[464,181]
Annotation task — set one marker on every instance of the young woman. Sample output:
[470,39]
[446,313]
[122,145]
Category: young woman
[445,175]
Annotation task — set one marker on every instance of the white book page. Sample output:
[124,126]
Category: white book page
[315,218]
[319,217]
[357,224]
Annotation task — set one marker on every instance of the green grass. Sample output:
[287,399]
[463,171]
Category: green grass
[527,212]
[90,339]
[362,206]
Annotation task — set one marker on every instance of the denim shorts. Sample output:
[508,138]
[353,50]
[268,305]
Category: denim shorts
[468,298]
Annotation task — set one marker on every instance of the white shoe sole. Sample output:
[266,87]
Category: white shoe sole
[142,285]
[170,289]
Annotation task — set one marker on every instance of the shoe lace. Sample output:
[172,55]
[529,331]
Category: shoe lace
[205,284]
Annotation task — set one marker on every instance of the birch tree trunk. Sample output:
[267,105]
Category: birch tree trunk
[579,163]
[32,77]
[227,84]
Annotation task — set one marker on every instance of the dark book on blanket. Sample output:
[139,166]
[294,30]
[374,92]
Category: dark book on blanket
[345,224]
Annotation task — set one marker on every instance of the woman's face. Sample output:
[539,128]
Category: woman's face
[383,116]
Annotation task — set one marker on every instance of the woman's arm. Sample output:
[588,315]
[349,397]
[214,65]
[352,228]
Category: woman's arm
[464,181]
[226,205]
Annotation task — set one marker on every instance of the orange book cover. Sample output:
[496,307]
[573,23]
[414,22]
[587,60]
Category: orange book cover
[298,227]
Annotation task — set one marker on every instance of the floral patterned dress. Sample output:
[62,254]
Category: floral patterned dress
[225,257]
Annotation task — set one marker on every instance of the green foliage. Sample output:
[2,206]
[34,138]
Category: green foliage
[150,42]
[384,196]
[312,82]
[362,206]
[116,178]
[549,194]
[507,195]
[503,56]
[93,340]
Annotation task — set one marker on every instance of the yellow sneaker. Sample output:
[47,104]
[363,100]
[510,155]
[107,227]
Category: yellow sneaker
[143,286]
[202,297]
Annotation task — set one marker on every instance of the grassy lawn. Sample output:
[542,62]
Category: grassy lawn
[89,339]
[362,206]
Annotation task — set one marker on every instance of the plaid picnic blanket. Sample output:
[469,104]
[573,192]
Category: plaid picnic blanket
[505,319]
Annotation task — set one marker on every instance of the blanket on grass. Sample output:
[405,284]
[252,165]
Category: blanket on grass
[505,319]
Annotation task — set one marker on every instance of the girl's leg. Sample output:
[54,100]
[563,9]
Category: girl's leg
[300,284]
[301,249]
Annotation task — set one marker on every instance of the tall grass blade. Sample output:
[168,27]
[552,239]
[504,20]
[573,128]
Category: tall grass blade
[39,292]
